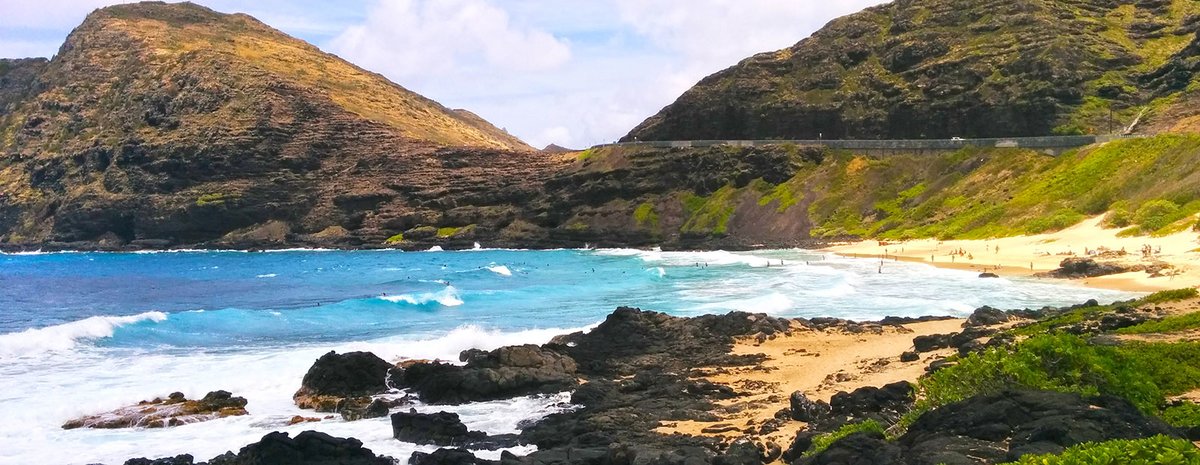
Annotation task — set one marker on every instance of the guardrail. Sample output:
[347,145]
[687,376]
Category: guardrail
[1048,142]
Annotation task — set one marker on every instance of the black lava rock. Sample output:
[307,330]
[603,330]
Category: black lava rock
[803,409]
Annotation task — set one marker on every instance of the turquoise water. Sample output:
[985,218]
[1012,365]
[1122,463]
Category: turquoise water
[86,332]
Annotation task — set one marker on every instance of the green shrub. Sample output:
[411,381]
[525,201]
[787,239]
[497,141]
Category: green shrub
[822,442]
[395,239]
[1158,450]
[1185,415]
[1061,362]
[1156,214]
[1172,295]
[1118,218]
[1174,368]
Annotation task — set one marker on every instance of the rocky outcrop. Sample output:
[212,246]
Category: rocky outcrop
[941,69]
[444,429]
[987,316]
[307,448]
[502,373]
[630,341]
[1078,268]
[999,428]
[175,410]
[885,404]
[339,382]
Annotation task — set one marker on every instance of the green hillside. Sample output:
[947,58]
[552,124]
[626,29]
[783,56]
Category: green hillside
[1148,185]
[972,68]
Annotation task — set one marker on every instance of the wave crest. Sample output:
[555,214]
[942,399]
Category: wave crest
[447,297]
[500,270]
[64,337]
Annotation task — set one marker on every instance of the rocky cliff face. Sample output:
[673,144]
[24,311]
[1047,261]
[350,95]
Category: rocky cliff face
[972,68]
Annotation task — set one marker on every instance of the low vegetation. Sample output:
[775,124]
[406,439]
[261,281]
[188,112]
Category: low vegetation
[1146,186]
[822,442]
[1158,450]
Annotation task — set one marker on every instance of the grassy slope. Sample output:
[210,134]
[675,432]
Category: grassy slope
[971,194]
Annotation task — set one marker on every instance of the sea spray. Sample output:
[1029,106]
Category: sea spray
[447,297]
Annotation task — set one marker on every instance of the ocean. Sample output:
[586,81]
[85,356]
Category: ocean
[83,333]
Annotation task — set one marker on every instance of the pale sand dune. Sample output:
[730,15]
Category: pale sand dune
[1026,255]
[810,361]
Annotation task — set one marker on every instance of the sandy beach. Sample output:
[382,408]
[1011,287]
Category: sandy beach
[1027,255]
[819,363]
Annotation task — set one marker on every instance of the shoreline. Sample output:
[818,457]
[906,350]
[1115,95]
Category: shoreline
[1025,256]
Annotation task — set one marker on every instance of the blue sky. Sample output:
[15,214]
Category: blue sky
[571,72]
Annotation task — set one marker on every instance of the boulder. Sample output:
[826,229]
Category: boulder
[175,410]
[444,429]
[502,373]
[987,316]
[885,403]
[803,409]
[910,356]
[307,448]
[932,342]
[988,275]
[446,456]
[346,381]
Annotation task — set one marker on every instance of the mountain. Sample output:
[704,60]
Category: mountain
[172,123]
[915,69]
[163,125]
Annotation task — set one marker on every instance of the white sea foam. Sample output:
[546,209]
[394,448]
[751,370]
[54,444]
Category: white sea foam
[268,275]
[710,258]
[500,270]
[773,303]
[447,297]
[64,337]
[436,248]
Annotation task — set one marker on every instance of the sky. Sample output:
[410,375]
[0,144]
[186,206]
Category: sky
[570,72]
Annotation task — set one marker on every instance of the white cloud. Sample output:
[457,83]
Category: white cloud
[728,30]
[429,38]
